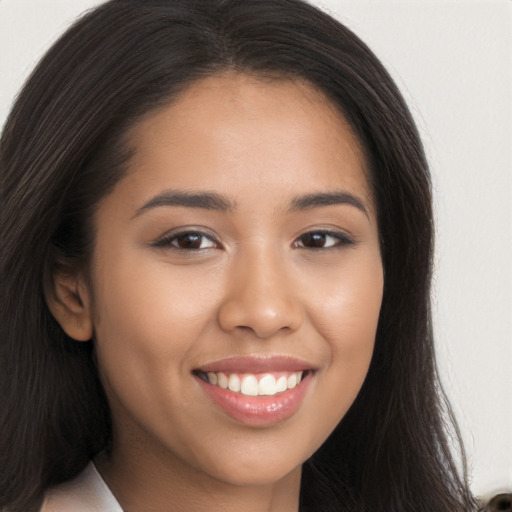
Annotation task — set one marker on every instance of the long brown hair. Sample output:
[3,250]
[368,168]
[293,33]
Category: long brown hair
[62,151]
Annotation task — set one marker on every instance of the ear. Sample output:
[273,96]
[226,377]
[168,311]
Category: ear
[69,300]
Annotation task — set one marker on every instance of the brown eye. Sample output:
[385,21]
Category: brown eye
[314,239]
[322,240]
[189,240]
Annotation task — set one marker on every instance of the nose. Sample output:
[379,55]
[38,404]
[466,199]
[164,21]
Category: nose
[261,298]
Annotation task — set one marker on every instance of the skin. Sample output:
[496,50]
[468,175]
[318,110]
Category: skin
[256,286]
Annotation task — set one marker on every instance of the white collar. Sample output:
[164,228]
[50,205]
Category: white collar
[88,492]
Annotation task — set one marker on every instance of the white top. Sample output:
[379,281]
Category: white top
[88,492]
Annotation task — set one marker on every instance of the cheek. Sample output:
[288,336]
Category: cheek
[148,319]
[147,331]
[347,320]
[150,303]
[347,307]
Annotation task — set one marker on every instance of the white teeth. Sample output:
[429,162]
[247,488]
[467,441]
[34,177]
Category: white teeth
[234,382]
[267,385]
[281,384]
[222,381]
[249,385]
[292,381]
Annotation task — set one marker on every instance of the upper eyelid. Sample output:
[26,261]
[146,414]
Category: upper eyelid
[340,235]
[337,233]
[189,230]
[173,234]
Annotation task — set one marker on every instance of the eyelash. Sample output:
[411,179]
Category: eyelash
[340,239]
[169,241]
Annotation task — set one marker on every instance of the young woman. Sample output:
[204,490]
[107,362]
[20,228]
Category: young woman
[217,241]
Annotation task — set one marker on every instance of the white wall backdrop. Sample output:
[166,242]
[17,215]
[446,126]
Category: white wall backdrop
[453,62]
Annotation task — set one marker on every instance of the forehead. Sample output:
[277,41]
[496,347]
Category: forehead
[245,132]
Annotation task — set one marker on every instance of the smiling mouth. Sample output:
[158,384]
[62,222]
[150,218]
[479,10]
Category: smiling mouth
[254,384]
[259,390]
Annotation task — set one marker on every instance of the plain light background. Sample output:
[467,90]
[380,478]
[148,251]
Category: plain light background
[452,60]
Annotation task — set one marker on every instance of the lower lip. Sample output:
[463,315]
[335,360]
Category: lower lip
[258,410]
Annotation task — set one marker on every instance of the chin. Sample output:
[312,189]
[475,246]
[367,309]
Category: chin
[256,472]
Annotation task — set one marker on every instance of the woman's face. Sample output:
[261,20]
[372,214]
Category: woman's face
[241,250]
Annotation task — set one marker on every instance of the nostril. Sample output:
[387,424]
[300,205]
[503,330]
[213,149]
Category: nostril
[261,317]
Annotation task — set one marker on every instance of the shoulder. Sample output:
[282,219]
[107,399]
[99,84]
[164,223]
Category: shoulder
[86,493]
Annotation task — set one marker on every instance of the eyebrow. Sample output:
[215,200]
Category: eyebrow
[310,201]
[217,202]
[204,200]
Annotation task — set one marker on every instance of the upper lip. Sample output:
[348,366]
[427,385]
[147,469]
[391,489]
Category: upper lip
[257,364]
